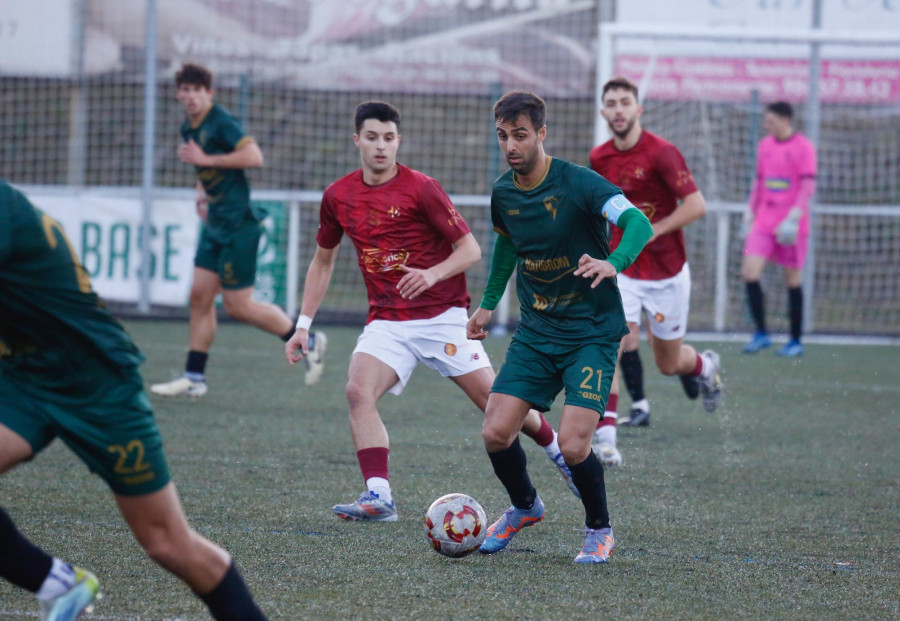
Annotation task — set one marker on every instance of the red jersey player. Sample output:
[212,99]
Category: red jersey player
[655,178]
[413,248]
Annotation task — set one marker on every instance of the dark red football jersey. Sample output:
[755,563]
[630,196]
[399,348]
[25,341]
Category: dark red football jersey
[408,220]
[654,177]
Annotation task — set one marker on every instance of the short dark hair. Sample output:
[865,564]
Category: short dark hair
[378,110]
[516,103]
[623,83]
[782,109]
[194,74]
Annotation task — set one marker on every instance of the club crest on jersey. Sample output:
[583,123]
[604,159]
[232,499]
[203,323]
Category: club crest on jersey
[639,173]
[380,260]
[455,218]
[551,204]
[450,349]
[393,211]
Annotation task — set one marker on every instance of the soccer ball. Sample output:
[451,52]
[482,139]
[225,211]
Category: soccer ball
[455,525]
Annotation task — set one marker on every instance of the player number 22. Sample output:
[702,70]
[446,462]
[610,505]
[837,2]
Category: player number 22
[589,374]
[135,450]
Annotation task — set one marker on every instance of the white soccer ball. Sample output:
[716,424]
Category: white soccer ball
[455,525]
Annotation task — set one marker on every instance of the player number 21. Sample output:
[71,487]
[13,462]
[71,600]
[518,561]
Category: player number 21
[589,374]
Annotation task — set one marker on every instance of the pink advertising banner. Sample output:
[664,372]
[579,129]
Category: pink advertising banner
[735,79]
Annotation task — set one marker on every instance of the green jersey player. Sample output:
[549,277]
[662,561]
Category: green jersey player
[551,217]
[69,369]
[225,262]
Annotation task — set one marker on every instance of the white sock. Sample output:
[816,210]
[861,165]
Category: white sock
[60,579]
[381,488]
[606,434]
[706,371]
[552,449]
[643,405]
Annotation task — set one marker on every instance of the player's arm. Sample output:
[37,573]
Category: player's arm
[503,264]
[201,202]
[636,232]
[318,277]
[466,253]
[246,155]
[692,207]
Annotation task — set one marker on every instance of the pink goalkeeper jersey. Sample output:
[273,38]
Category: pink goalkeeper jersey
[780,167]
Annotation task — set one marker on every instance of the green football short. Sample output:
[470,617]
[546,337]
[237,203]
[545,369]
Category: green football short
[536,374]
[235,260]
[114,433]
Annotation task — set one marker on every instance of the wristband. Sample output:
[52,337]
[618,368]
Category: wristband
[304,322]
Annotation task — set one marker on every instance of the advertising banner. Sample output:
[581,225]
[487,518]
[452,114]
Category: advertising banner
[105,233]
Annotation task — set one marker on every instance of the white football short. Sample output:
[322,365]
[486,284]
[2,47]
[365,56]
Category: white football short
[439,343]
[665,301]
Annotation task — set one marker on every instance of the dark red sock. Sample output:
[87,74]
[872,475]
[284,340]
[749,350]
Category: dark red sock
[373,462]
[612,405]
[698,367]
[544,435]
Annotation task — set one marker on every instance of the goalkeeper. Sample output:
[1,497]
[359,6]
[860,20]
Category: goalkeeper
[777,221]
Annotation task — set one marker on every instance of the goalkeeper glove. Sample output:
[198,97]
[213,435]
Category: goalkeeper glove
[787,229]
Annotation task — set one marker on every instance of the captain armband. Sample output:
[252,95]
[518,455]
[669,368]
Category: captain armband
[615,207]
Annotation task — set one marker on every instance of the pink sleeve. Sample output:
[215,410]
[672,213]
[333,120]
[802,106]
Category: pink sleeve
[754,194]
[808,165]
[805,193]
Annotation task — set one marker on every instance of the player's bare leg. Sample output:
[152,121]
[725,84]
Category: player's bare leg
[161,528]
[204,289]
[368,380]
[675,357]
[203,323]
[240,305]
[477,386]
[14,449]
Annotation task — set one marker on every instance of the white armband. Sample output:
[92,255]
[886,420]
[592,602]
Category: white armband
[304,322]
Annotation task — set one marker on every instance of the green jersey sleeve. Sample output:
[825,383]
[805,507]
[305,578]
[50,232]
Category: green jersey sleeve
[503,265]
[636,232]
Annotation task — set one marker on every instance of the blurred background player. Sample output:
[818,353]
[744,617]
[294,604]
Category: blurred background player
[216,145]
[50,317]
[551,218]
[654,176]
[413,248]
[777,221]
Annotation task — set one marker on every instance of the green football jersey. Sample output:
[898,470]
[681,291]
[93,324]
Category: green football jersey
[53,327]
[551,226]
[227,189]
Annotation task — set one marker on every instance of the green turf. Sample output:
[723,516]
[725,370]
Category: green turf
[782,505]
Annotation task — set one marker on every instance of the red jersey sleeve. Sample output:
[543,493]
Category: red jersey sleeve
[674,171]
[330,229]
[440,212]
